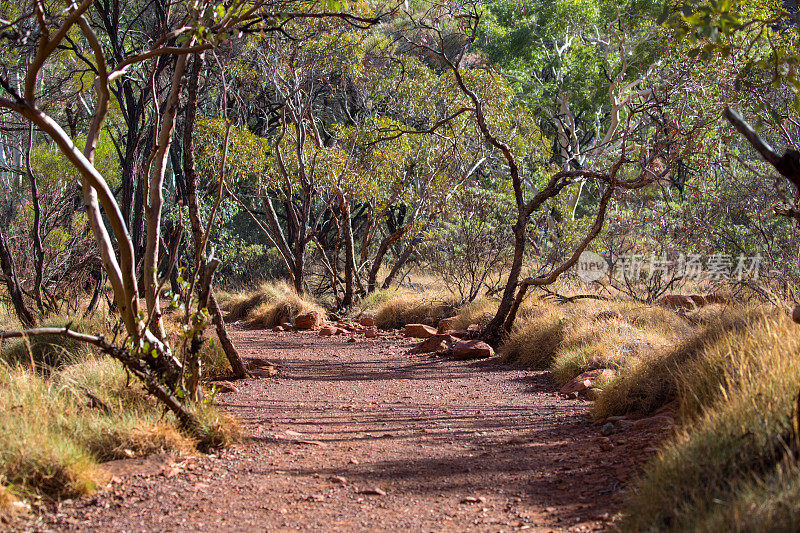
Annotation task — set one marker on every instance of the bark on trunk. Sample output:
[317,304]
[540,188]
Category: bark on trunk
[37,227]
[155,199]
[372,277]
[495,332]
[198,234]
[349,265]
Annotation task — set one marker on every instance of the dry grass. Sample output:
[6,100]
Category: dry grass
[270,305]
[8,503]
[589,334]
[731,467]
[535,341]
[735,375]
[371,302]
[54,435]
[479,312]
[409,308]
[46,352]
[655,380]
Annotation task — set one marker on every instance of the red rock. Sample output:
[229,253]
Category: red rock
[287,326]
[446,324]
[367,321]
[587,380]
[796,314]
[310,320]
[259,363]
[327,331]
[278,329]
[472,350]
[418,331]
[435,344]
[459,333]
[371,332]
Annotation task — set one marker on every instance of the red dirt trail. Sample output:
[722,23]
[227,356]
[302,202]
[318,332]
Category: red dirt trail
[360,436]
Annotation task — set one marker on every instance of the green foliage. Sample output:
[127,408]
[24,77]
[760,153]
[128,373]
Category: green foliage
[52,167]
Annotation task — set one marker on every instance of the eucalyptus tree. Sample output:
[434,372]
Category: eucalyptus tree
[577,65]
[623,160]
[185,29]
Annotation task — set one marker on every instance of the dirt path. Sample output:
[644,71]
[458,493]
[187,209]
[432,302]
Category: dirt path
[360,436]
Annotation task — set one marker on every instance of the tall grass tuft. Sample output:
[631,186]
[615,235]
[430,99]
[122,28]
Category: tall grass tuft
[656,380]
[410,308]
[57,428]
[270,305]
[574,338]
[732,466]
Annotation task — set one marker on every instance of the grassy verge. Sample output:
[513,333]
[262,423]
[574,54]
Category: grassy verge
[734,375]
[574,338]
[64,409]
[732,466]
[405,307]
[57,428]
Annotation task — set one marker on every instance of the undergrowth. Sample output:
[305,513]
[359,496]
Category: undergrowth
[59,425]
[573,338]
